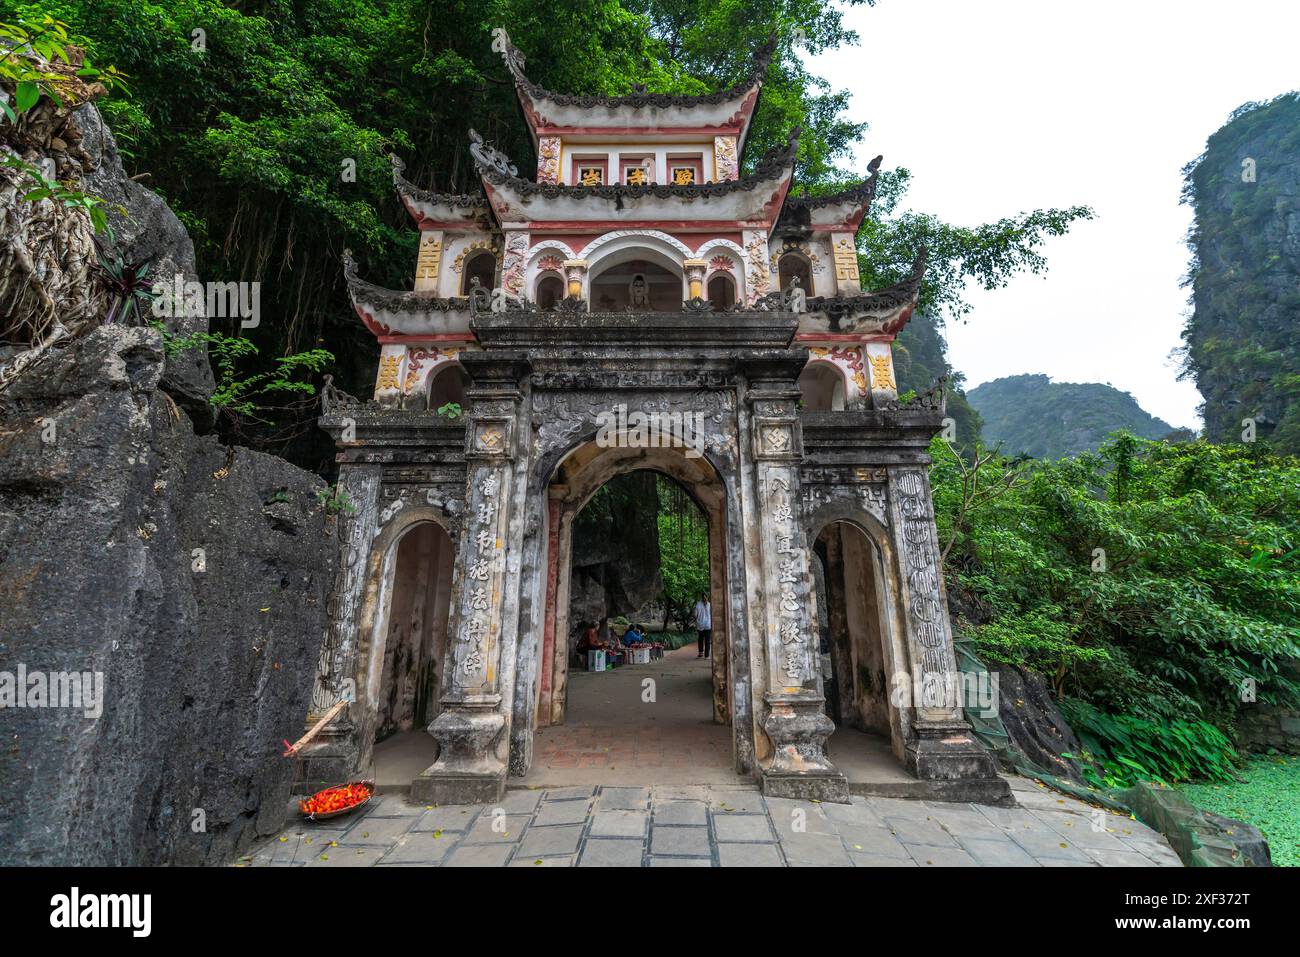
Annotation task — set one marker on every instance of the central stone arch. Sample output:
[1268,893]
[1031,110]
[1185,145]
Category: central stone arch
[565,481]
[576,479]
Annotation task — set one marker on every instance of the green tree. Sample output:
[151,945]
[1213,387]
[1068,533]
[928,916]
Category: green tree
[1151,583]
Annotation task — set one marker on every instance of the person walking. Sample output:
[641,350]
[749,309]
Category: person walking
[704,625]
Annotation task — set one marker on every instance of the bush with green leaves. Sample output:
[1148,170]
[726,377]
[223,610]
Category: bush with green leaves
[1156,583]
[248,393]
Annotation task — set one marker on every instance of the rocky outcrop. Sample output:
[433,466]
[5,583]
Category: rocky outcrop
[616,550]
[53,286]
[189,577]
[1034,725]
[1242,349]
[149,232]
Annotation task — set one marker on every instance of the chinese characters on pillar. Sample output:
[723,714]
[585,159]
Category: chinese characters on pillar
[480,573]
[789,574]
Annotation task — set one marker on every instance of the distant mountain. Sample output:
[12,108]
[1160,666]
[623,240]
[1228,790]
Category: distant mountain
[1051,420]
[920,358]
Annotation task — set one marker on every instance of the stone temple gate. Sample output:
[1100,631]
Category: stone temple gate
[639,272]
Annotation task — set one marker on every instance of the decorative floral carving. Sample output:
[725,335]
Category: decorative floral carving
[458,263]
[512,273]
[759,275]
[724,157]
[548,159]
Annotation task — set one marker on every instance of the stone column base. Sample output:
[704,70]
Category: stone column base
[947,751]
[468,770]
[432,786]
[798,727]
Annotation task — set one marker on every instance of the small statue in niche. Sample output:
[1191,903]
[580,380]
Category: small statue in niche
[638,295]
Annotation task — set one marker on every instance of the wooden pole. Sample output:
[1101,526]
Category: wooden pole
[315,729]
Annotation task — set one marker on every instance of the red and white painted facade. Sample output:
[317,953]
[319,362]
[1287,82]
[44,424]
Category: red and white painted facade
[642,179]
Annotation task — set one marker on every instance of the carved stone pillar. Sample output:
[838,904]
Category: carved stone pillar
[796,720]
[695,277]
[470,767]
[334,755]
[574,271]
[942,746]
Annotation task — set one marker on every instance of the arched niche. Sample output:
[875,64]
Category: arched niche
[403,633]
[614,286]
[481,265]
[721,291]
[549,290]
[447,384]
[864,652]
[822,386]
[793,264]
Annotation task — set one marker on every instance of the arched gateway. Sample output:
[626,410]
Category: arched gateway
[803,505]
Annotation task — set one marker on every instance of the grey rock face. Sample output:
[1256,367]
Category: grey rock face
[616,551]
[149,231]
[207,657]
[1034,724]
[1248,839]
[1242,348]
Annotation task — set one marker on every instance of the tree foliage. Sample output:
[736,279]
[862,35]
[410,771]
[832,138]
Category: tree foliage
[243,118]
[683,552]
[1159,582]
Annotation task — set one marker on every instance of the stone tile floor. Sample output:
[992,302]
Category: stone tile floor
[718,826]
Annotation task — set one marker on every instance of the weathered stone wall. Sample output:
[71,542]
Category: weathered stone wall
[1262,728]
[105,493]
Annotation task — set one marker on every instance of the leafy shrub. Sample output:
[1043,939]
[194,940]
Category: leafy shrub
[1155,583]
[1128,748]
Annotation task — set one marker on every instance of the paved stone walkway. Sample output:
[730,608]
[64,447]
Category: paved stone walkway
[719,826]
[612,735]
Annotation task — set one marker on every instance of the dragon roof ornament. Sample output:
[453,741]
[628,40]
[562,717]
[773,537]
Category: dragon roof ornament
[901,293]
[862,194]
[497,169]
[515,62]
[395,300]
[406,188]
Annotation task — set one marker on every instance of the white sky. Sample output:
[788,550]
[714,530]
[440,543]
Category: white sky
[1002,106]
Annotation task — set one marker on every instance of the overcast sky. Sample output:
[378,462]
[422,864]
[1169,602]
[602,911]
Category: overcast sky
[1002,106]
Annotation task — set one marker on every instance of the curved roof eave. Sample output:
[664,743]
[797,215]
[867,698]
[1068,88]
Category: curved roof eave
[496,168]
[732,99]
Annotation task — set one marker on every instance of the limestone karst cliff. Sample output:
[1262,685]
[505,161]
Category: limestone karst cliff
[192,577]
[182,581]
[1243,337]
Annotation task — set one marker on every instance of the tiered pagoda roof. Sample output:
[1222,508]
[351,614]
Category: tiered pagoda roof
[839,212]
[760,197]
[394,312]
[757,196]
[551,113]
[439,210]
